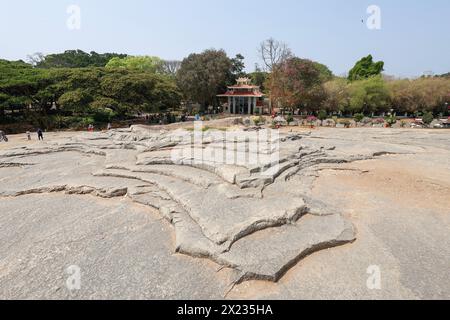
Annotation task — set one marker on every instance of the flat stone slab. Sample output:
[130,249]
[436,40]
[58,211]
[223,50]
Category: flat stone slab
[142,223]
[256,218]
[268,254]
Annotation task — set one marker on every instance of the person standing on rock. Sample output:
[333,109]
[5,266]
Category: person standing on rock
[40,135]
[3,136]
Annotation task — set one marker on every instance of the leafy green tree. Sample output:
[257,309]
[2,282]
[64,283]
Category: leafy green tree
[73,59]
[366,68]
[76,101]
[325,73]
[72,79]
[337,95]
[203,76]
[412,96]
[140,91]
[4,98]
[432,94]
[404,97]
[101,94]
[104,109]
[237,68]
[259,78]
[369,96]
[25,86]
[164,96]
[141,63]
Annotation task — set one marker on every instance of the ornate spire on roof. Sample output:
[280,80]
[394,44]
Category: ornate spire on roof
[243,81]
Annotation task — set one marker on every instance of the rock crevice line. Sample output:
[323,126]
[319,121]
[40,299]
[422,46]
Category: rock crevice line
[259,225]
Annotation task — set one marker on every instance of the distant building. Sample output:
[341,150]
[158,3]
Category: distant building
[243,98]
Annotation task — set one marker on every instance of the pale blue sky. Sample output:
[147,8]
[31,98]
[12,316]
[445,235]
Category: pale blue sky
[414,37]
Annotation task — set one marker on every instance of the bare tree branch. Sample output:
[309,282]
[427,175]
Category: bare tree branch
[273,52]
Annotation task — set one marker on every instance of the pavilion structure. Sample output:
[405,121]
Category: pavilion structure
[243,98]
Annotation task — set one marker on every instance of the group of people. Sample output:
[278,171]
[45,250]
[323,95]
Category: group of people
[39,132]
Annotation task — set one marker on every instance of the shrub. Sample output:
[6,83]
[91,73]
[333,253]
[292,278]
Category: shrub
[391,120]
[59,122]
[428,118]
[311,119]
[358,117]
[290,119]
[259,120]
[378,121]
[81,123]
[262,119]
[103,115]
[322,115]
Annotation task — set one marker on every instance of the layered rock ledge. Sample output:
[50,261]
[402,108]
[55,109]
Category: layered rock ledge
[249,209]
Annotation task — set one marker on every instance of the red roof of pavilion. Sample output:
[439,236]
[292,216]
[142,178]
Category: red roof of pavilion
[243,89]
[241,94]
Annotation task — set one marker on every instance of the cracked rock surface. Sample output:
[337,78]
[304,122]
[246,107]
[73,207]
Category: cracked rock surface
[256,219]
[253,217]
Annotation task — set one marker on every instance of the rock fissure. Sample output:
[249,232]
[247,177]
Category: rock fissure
[259,220]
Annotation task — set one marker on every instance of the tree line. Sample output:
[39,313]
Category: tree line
[308,86]
[59,97]
[75,88]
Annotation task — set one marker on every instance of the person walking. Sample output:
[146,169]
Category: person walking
[40,135]
[3,136]
[28,135]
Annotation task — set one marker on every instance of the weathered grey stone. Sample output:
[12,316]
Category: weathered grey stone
[216,209]
[211,205]
[268,254]
[256,221]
